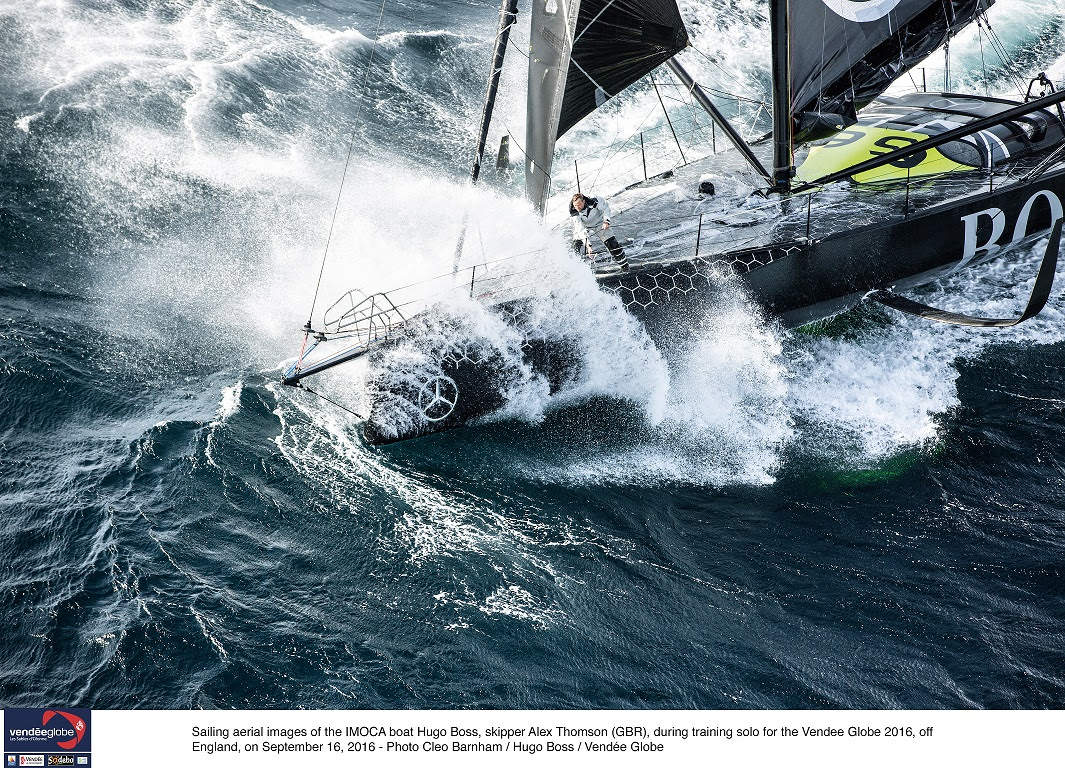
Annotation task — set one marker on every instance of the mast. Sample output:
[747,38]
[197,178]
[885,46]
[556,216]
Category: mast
[783,159]
[508,14]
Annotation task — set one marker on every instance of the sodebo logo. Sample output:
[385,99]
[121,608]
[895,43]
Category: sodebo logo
[862,10]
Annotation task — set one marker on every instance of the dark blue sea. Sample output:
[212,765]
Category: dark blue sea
[867,515]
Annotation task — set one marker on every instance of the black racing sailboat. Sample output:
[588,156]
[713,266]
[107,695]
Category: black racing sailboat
[862,195]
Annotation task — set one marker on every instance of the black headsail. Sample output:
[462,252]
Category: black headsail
[845,53]
[583,52]
[617,43]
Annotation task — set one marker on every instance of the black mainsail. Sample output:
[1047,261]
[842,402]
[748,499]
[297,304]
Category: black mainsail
[583,52]
[831,58]
[845,53]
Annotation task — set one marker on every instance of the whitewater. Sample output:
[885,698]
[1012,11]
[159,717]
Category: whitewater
[865,516]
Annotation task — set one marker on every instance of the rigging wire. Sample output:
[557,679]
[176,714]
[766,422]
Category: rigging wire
[669,122]
[732,76]
[347,164]
[617,147]
[690,103]
[1000,49]
[304,387]
[983,62]
[516,47]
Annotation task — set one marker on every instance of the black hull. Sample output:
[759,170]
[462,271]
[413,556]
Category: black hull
[799,282]
[464,387]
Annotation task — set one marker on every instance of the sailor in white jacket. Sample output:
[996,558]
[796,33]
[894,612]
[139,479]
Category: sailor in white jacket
[592,215]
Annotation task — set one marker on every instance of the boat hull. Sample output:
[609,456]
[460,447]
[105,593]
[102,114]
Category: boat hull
[805,281]
[458,384]
[798,282]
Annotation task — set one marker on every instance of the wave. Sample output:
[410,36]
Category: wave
[199,146]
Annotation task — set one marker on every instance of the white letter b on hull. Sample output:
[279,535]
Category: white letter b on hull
[972,224]
[972,248]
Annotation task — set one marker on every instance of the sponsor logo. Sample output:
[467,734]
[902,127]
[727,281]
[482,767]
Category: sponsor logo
[11,759]
[46,730]
[862,10]
[997,219]
[60,759]
[437,397]
[31,760]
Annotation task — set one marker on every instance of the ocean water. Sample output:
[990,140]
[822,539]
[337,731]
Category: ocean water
[869,515]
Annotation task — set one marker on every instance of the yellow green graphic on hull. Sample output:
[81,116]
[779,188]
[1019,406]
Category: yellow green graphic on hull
[861,143]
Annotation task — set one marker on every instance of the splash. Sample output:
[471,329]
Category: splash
[200,143]
[542,295]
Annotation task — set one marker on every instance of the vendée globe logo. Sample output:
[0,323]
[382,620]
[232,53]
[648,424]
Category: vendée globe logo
[862,10]
[75,722]
[42,729]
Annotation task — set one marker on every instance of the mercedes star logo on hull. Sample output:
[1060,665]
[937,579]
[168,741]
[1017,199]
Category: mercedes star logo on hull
[437,397]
